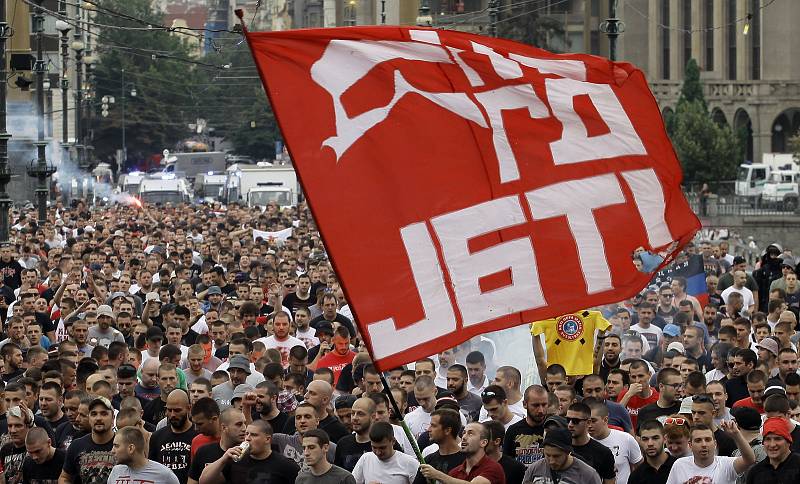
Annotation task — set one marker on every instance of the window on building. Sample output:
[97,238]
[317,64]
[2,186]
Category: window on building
[755,39]
[350,12]
[686,13]
[708,33]
[731,27]
[665,54]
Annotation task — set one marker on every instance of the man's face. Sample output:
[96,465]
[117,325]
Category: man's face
[456,382]
[556,458]
[196,392]
[703,444]
[690,340]
[424,368]
[476,372]
[177,414]
[219,334]
[313,453]
[578,423]
[670,389]
[407,383]
[703,413]
[49,403]
[787,363]
[653,442]
[101,419]
[80,331]
[611,349]
[13,361]
[281,327]
[640,375]
[238,376]
[167,381]
[742,332]
[372,383]
[39,451]
[633,349]
[205,425]
[125,386]
[305,419]
[426,398]
[345,416]
[17,431]
[718,395]
[793,392]
[259,441]
[554,381]
[739,366]
[447,358]
[775,446]
[329,307]
[614,386]
[383,449]
[645,315]
[361,418]
[756,391]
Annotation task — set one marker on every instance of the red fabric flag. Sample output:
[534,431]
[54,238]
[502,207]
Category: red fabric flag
[465,184]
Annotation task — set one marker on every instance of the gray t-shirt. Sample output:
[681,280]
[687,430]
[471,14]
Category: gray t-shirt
[335,475]
[578,473]
[105,338]
[151,472]
[291,447]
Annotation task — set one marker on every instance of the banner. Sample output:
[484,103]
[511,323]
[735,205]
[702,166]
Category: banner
[691,269]
[280,236]
[465,184]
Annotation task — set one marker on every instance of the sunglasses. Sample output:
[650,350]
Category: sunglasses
[576,420]
[676,421]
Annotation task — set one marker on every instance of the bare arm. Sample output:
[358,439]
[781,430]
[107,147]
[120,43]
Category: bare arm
[538,355]
[748,458]
[212,474]
[65,478]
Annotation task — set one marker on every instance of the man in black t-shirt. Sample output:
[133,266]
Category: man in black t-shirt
[590,451]
[90,458]
[523,440]
[12,454]
[669,384]
[444,430]
[172,445]
[44,462]
[259,465]
[232,433]
[352,446]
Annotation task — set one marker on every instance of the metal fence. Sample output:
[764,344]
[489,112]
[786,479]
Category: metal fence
[722,200]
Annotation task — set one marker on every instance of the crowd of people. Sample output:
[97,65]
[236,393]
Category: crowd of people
[169,344]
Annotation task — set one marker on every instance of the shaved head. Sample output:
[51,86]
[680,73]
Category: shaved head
[178,397]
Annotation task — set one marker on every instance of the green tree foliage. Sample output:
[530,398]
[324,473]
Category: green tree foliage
[521,21]
[156,118]
[707,151]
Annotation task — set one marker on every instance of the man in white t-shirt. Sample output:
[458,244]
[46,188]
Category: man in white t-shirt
[627,454]
[280,339]
[739,281]
[651,332]
[704,465]
[384,464]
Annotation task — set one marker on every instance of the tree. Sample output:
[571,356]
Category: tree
[707,151]
[521,22]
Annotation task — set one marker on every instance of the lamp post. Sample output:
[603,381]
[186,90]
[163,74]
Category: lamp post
[88,99]
[5,174]
[77,46]
[612,27]
[41,170]
[64,28]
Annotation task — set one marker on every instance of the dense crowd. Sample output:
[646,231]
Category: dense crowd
[188,345]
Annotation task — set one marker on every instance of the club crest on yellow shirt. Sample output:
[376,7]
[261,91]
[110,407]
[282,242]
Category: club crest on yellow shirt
[569,327]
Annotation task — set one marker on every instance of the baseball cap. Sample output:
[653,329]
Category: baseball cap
[555,420]
[154,332]
[240,362]
[672,330]
[747,418]
[118,295]
[105,310]
[739,260]
[325,327]
[677,346]
[241,390]
[102,401]
[213,290]
[777,426]
[345,401]
[770,345]
[560,438]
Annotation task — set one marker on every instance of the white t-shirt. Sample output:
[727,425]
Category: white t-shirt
[721,471]
[399,469]
[626,453]
[652,333]
[746,293]
[418,421]
[282,346]
[309,337]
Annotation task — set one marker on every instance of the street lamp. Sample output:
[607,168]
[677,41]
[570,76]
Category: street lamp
[64,28]
[78,46]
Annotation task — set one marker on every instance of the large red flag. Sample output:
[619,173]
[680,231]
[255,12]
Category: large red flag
[465,184]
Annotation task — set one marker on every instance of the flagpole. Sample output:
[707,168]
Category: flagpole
[245,33]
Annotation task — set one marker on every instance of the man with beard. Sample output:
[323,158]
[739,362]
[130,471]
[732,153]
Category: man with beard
[50,403]
[444,431]
[44,462]
[351,447]
[172,445]
[155,410]
[238,369]
[559,462]
[476,463]
[291,446]
[232,433]
[12,361]
[668,403]
[469,403]
[590,451]
[91,458]
[281,339]
[262,404]
[12,454]
[258,465]
[612,346]
[523,439]
[132,465]
[657,462]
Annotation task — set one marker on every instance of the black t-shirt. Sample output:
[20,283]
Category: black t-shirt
[12,274]
[725,445]
[652,411]
[88,462]
[598,456]
[513,469]
[11,459]
[293,302]
[348,451]
[524,443]
[279,422]
[59,422]
[341,319]
[335,429]
[444,463]
[173,450]
[43,320]
[796,439]
[65,434]
[204,456]
[154,411]
[646,474]
[46,473]
[275,469]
